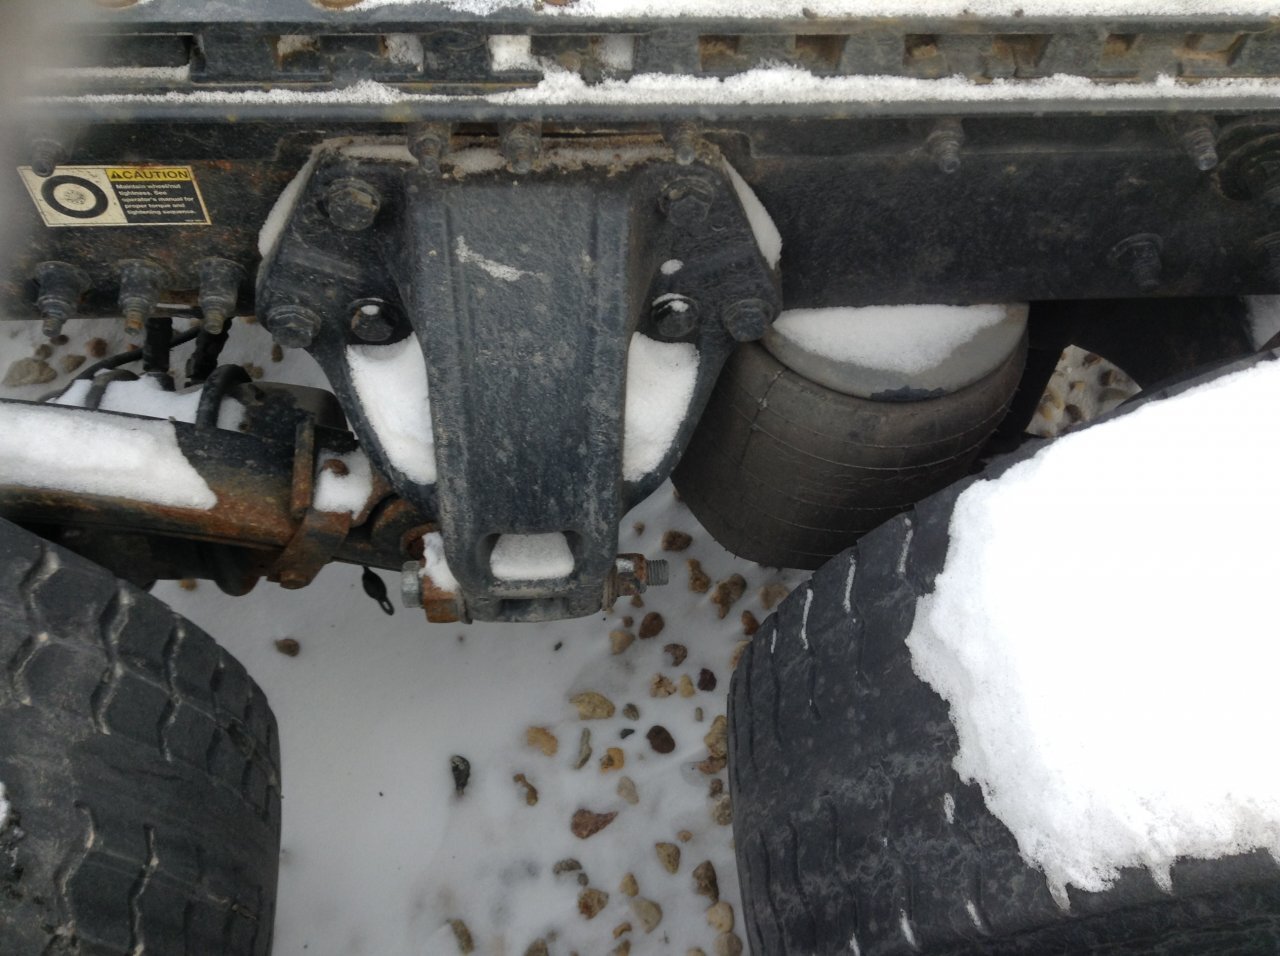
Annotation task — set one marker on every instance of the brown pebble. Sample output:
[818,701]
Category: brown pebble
[188,584]
[722,810]
[684,687]
[668,856]
[542,739]
[706,679]
[613,759]
[699,583]
[584,749]
[717,738]
[716,788]
[675,541]
[727,593]
[651,625]
[538,948]
[586,823]
[530,791]
[463,935]
[43,350]
[592,901]
[29,371]
[720,917]
[728,944]
[705,882]
[621,930]
[567,865]
[628,621]
[96,347]
[738,650]
[582,879]
[648,912]
[638,527]
[697,714]
[59,340]
[631,712]
[622,949]
[277,352]
[288,646]
[637,601]
[676,653]
[627,791]
[749,623]
[660,739]
[255,371]
[620,640]
[771,594]
[69,363]
[628,886]
[592,706]
[661,686]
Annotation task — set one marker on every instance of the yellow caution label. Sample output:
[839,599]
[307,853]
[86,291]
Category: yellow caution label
[150,174]
[117,196]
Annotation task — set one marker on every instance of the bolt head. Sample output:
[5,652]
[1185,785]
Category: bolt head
[686,202]
[675,316]
[352,204]
[293,326]
[369,320]
[747,319]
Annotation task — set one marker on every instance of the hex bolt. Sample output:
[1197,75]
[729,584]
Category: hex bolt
[521,145]
[944,144]
[747,319]
[1140,255]
[428,142]
[61,285]
[674,315]
[1199,138]
[411,584]
[46,156]
[683,138]
[686,201]
[219,288]
[353,204]
[293,326]
[369,320]
[140,284]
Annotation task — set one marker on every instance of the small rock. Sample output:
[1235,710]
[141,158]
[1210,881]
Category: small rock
[717,738]
[460,767]
[699,583]
[720,917]
[661,686]
[677,653]
[628,886]
[727,593]
[29,371]
[684,836]
[675,541]
[538,948]
[592,706]
[71,362]
[567,865]
[96,347]
[626,732]
[255,371]
[592,901]
[631,711]
[738,650]
[706,679]
[277,352]
[722,810]
[651,625]
[685,686]
[463,935]
[771,594]
[288,646]
[705,882]
[728,944]
[660,739]
[637,601]
[188,584]
[542,739]
[530,791]
[59,340]
[627,791]
[638,527]
[628,620]
[749,623]
[668,856]
[622,949]
[648,912]
[585,823]
[716,788]
[613,759]
[621,929]
[697,714]
[584,749]
[582,879]
[620,640]
[43,350]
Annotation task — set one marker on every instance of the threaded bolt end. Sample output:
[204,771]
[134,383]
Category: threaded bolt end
[658,572]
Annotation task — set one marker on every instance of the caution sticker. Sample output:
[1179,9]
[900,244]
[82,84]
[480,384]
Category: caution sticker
[117,196]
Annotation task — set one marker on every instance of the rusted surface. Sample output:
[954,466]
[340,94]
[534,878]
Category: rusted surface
[316,541]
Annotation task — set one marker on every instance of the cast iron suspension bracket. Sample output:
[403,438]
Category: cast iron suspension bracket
[523,300]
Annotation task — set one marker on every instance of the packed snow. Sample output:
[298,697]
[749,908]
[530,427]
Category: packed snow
[346,489]
[434,564]
[531,557]
[1264,318]
[660,380]
[768,239]
[146,396]
[391,382]
[1135,736]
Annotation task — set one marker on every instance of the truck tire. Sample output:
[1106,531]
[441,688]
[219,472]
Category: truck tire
[786,472]
[841,769]
[141,767]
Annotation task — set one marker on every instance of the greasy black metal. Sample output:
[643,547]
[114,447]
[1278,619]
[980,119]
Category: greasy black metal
[133,355]
[204,357]
[157,344]
[525,344]
[215,390]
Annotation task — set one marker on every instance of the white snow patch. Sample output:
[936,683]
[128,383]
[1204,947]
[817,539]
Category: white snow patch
[157,74]
[405,49]
[804,620]
[908,933]
[848,585]
[617,51]
[1264,318]
[509,52]
[146,396]
[289,44]
[768,239]
[336,493]
[949,807]
[95,454]
[278,217]
[531,557]
[6,808]
[391,381]
[906,546]
[434,565]
[974,916]
[766,9]
[894,338]
[660,382]
[671,267]
[1135,740]
[498,270]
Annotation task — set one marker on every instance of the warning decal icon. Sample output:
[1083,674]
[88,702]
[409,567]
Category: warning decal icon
[117,196]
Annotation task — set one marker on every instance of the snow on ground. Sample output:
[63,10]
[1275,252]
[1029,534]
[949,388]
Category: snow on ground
[1134,736]
[380,852]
